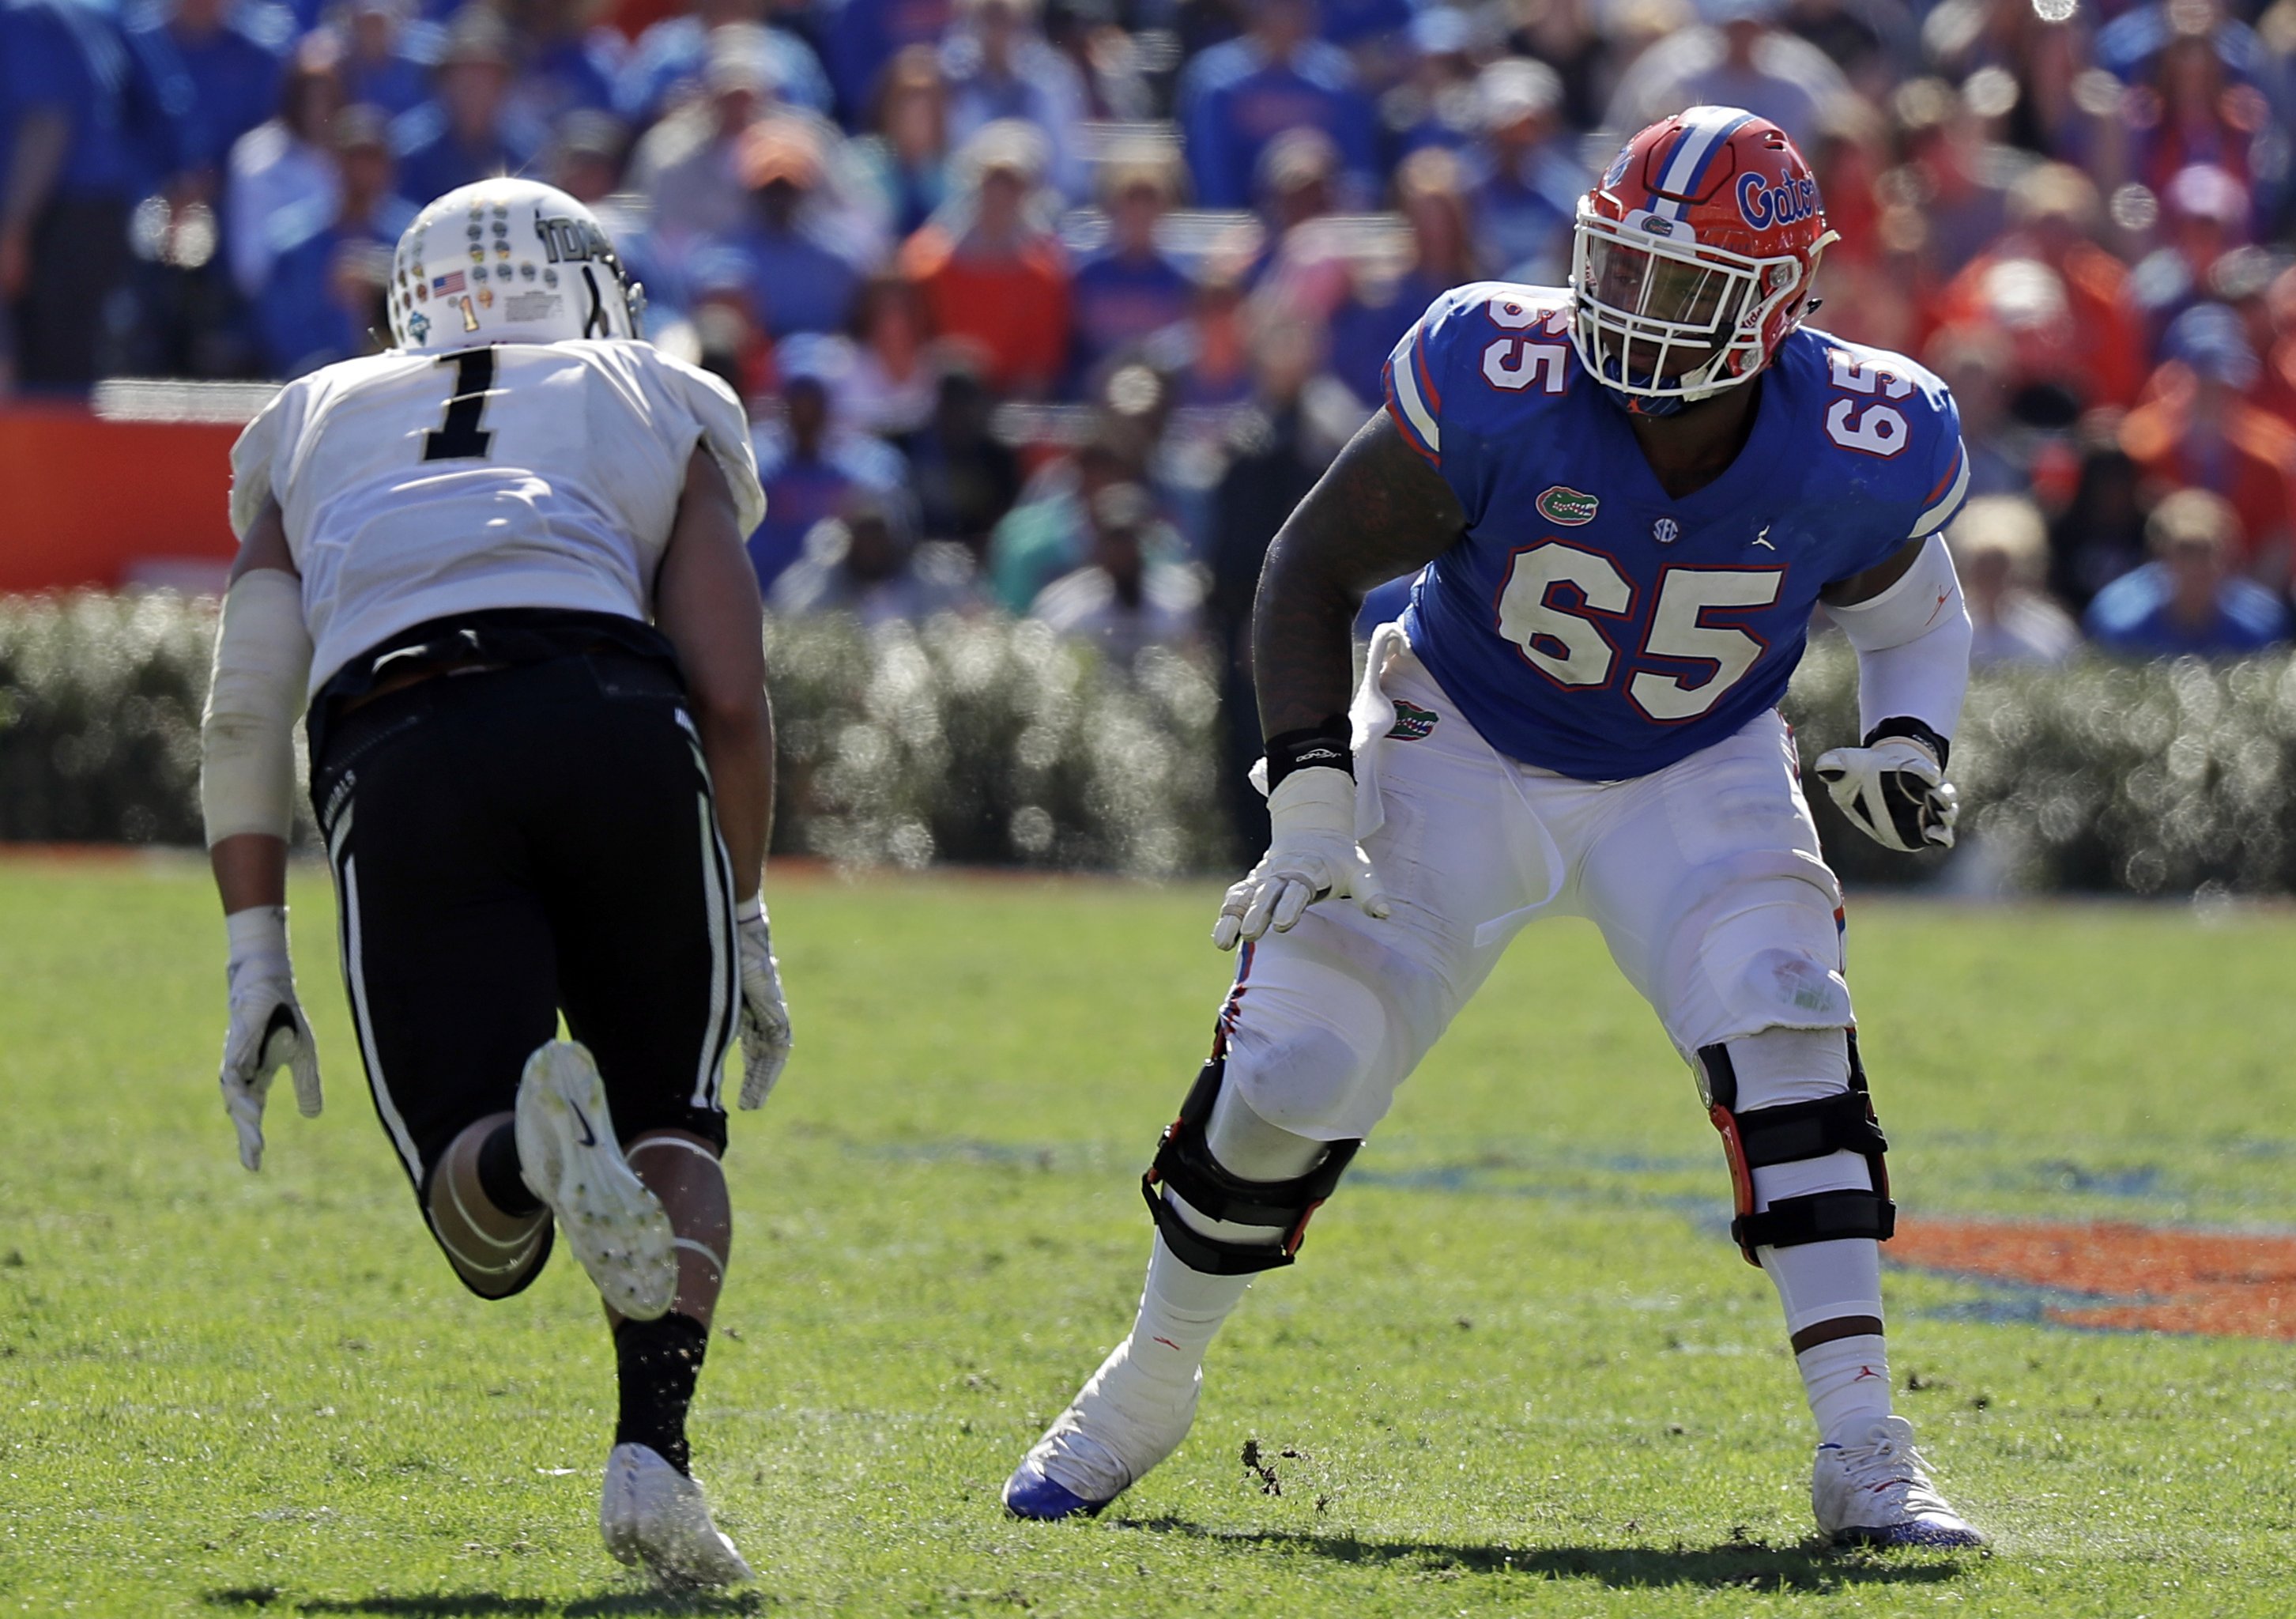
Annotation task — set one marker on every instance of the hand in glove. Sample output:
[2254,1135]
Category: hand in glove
[765,1023]
[1893,789]
[268,1030]
[1312,855]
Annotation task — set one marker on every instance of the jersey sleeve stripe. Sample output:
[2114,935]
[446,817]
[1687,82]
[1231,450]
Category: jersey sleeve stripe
[1954,483]
[1421,374]
[1410,412]
[1410,436]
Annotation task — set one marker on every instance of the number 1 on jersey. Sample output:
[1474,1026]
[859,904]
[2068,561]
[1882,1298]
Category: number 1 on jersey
[460,438]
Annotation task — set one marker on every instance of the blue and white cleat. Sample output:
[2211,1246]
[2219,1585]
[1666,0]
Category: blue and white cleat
[1120,1424]
[1028,1494]
[1876,1492]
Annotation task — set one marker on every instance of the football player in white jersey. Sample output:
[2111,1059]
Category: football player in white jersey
[1622,500]
[501,564]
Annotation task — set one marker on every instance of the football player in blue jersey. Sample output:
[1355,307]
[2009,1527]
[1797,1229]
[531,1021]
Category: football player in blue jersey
[1623,499]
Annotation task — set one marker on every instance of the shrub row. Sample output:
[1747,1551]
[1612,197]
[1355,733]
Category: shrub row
[993,743]
[988,743]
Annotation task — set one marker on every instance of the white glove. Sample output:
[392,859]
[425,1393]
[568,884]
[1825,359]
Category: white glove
[1312,854]
[764,1015]
[1893,791]
[268,1030]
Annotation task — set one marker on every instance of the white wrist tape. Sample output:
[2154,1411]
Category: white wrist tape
[1913,645]
[1319,798]
[246,737]
[260,931]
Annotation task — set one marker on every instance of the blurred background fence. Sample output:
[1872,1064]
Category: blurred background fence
[994,741]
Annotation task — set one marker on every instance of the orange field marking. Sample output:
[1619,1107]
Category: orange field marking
[2147,1278]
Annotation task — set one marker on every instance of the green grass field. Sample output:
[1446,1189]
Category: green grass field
[1520,1368]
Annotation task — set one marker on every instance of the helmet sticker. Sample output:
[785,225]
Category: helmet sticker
[1762,205]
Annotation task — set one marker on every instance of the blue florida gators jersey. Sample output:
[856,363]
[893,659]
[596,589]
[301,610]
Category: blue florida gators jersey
[1591,624]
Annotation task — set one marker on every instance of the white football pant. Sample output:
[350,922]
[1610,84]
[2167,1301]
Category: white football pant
[1704,877]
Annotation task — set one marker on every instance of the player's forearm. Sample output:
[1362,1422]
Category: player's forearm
[251,871]
[738,743]
[1379,512]
[1302,640]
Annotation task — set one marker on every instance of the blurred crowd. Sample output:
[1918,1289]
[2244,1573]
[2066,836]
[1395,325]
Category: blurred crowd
[1056,307]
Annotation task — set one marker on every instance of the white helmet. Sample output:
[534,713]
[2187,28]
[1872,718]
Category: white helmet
[507,261]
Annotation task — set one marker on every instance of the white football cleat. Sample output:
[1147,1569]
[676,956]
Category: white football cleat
[651,1513]
[1119,1425]
[1876,1492]
[569,1159]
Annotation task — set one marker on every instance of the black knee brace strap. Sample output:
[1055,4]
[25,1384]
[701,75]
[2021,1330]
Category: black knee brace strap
[1183,1165]
[1792,1133]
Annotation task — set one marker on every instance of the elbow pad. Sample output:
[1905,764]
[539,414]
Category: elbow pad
[247,736]
[1913,645]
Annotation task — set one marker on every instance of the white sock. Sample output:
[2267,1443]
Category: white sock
[1180,1309]
[1848,1382]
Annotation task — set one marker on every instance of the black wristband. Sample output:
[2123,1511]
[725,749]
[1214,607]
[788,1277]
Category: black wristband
[1326,743]
[1912,730]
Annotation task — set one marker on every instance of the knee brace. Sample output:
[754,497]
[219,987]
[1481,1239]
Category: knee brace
[1184,1166]
[1790,1133]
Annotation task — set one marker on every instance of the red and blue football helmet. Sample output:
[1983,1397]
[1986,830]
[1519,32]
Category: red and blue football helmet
[1694,257]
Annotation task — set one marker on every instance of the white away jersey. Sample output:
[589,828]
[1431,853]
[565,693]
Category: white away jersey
[418,485]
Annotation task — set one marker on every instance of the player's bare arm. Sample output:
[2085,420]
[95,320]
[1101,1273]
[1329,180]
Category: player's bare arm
[1378,513]
[706,601]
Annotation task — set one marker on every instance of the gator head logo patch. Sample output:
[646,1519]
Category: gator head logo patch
[1567,507]
[1412,722]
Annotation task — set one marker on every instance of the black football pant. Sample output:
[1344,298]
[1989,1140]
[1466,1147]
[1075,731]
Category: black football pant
[512,844]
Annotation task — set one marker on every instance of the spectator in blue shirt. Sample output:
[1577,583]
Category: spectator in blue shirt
[667,63]
[87,123]
[1237,97]
[810,469]
[904,159]
[218,68]
[860,36]
[563,65]
[1526,183]
[324,299]
[796,284]
[1435,104]
[386,63]
[461,135]
[1000,65]
[282,171]
[1379,310]
[2187,601]
[1130,288]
